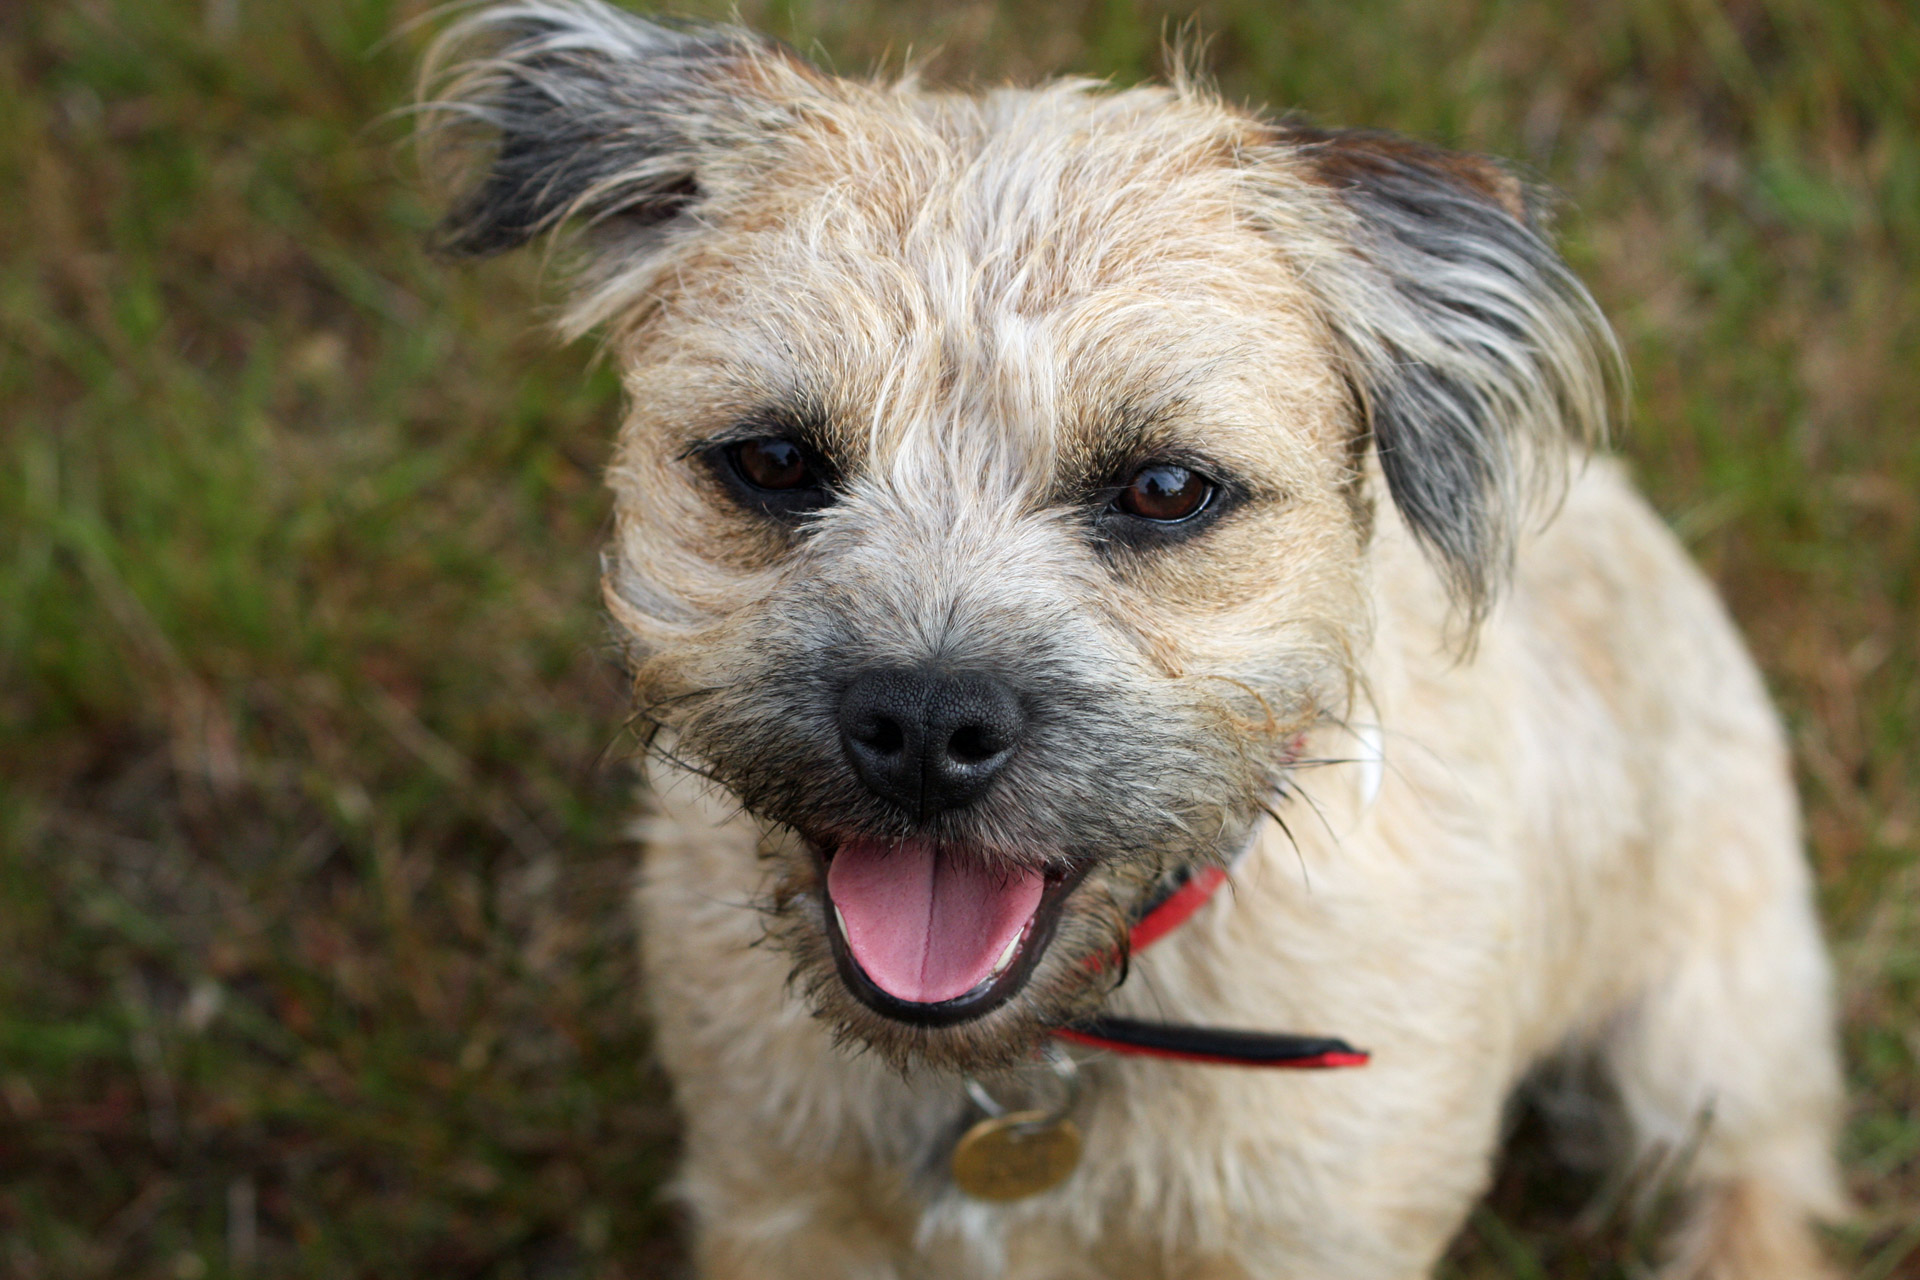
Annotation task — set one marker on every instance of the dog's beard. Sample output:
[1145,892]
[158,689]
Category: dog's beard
[1083,958]
[1112,789]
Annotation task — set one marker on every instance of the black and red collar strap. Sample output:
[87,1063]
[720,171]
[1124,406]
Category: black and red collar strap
[1190,890]
[1216,1045]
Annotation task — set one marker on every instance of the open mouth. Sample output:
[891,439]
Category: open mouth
[932,936]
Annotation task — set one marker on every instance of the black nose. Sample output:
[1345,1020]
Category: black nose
[929,742]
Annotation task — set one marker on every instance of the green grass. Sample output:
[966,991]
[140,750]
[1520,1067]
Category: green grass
[313,953]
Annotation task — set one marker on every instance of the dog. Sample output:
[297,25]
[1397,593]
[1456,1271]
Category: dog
[1034,503]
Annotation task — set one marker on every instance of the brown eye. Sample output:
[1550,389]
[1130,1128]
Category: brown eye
[1164,492]
[777,465]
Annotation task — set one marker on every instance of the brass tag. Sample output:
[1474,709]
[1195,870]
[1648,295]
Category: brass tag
[1016,1155]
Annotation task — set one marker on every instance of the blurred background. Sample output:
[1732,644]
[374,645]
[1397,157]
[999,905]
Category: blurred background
[314,956]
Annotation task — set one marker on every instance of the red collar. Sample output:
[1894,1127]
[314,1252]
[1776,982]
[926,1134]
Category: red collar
[1192,890]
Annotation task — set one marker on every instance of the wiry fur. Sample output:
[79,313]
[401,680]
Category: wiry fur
[1478,353]
[981,312]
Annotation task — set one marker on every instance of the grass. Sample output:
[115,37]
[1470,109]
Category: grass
[313,951]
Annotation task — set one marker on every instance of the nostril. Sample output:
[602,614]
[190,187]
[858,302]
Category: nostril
[974,743]
[882,736]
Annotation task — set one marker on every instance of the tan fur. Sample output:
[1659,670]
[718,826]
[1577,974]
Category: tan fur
[1584,834]
[1578,832]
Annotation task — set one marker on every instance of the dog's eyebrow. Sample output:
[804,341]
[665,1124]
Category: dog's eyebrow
[800,418]
[1128,436]
[1116,438]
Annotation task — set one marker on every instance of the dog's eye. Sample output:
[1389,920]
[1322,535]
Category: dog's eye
[776,476]
[1165,493]
[778,466]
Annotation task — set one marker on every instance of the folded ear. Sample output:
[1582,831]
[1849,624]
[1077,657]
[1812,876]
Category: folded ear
[583,111]
[1480,360]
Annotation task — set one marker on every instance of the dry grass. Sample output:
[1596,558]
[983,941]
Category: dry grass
[313,959]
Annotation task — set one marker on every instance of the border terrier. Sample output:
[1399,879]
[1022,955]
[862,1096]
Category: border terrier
[1029,498]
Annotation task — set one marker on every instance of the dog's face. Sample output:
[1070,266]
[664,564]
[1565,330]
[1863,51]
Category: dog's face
[993,501]
[1001,579]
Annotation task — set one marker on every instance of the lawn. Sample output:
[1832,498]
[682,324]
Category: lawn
[314,959]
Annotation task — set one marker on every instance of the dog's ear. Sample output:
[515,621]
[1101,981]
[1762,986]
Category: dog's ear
[582,111]
[1477,356]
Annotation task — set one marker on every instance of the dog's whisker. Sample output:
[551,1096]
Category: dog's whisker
[1320,813]
[1306,877]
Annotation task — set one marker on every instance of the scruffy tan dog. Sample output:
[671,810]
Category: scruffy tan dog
[1026,497]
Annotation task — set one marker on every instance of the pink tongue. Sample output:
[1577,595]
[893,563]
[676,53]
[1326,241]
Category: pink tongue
[923,926]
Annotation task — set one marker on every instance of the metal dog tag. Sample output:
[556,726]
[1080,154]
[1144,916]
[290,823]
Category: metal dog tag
[1016,1155]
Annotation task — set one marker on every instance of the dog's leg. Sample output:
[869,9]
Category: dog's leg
[1728,1072]
[1743,1229]
[800,1239]
[1706,988]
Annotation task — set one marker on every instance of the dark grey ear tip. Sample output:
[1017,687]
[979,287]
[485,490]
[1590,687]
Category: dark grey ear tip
[467,239]
[1375,159]
[497,217]
[581,110]
[1482,362]
[481,223]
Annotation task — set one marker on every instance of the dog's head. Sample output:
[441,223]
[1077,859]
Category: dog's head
[993,501]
